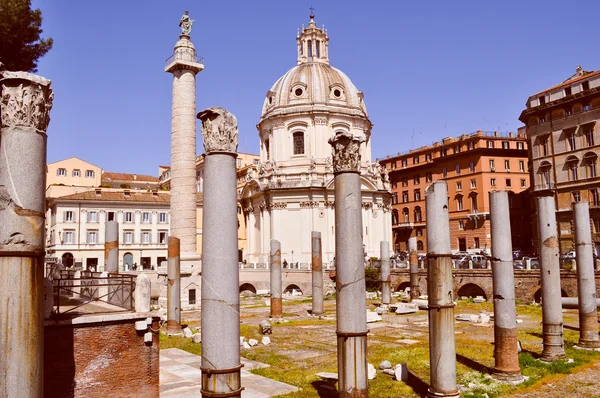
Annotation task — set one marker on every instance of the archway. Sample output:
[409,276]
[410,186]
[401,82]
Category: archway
[471,290]
[127,261]
[247,289]
[294,290]
[537,296]
[402,287]
[67,260]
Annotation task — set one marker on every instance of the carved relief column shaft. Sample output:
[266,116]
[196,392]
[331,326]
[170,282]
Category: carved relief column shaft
[26,102]
[350,285]
[184,67]
[221,376]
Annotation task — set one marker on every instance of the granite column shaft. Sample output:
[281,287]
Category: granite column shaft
[505,312]
[275,274]
[386,278]
[26,100]
[552,319]
[442,346]
[111,247]
[317,274]
[173,287]
[586,282]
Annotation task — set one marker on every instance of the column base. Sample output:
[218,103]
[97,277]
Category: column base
[588,344]
[433,394]
[509,377]
[173,328]
[222,383]
[553,342]
[352,365]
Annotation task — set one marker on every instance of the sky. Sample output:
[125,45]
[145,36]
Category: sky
[429,70]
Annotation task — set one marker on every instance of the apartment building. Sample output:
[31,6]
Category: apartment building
[561,124]
[77,223]
[472,165]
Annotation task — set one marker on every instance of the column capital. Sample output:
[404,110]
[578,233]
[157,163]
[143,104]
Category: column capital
[346,152]
[26,100]
[219,130]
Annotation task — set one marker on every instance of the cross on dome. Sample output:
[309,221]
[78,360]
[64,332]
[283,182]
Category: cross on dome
[313,43]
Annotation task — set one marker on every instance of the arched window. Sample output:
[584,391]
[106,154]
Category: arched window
[418,214]
[405,215]
[590,159]
[318,48]
[310,49]
[420,245]
[571,163]
[298,143]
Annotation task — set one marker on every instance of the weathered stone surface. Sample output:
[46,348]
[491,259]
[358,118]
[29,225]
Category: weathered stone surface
[372,372]
[266,327]
[327,376]
[373,317]
[407,308]
[142,293]
[479,299]
[246,345]
[219,130]
[346,152]
[390,372]
[265,340]
[242,339]
[252,342]
[483,318]
[197,338]
[187,332]
[401,372]
[385,365]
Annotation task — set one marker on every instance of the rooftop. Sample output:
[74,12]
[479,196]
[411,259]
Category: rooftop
[121,196]
[128,177]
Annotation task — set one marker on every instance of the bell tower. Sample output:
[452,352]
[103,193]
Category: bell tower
[313,43]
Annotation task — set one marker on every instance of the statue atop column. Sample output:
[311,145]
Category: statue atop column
[185,23]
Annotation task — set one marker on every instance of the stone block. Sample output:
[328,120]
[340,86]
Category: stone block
[401,372]
[479,299]
[327,376]
[197,338]
[265,340]
[187,333]
[483,318]
[385,365]
[407,308]
[142,293]
[373,317]
[246,345]
[148,337]
[252,342]
[372,373]
[141,326]
[242,338]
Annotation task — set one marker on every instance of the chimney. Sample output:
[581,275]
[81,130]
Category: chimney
[579,71]
[510,134]
[135,176]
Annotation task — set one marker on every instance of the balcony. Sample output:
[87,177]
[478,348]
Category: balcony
[404,225]
[545,187]
[184,56]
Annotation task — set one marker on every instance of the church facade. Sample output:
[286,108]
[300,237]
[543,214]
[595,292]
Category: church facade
[292,193]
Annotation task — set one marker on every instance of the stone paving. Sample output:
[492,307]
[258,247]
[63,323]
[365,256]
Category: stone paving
[180,377]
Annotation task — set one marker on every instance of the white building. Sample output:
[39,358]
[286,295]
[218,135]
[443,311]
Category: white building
[76,228]
[292,194]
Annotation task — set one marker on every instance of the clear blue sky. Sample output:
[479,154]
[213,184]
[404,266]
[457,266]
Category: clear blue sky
[436,68]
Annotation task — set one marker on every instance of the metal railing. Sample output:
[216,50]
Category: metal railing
[184,56]
[114,289]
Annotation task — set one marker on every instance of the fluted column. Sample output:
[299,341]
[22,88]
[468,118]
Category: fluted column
[350,286]
[221,376]
[184,67]
[26,101]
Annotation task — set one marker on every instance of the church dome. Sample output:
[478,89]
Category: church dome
[313,85]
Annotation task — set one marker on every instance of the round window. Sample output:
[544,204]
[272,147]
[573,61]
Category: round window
[298,92]
[337,93]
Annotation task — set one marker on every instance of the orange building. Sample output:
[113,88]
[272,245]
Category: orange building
[562,130]
[472,165]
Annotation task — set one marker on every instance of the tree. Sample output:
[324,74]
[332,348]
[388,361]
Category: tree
[20,29]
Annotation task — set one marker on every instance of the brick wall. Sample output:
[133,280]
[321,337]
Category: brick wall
[100,359]
[527,283]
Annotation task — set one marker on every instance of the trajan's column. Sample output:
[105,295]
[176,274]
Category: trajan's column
[184,65]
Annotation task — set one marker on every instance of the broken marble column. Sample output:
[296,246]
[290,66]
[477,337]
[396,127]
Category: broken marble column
[413,261]
[350,286]
[26,100]
[552,319]
[442,349]
[142,293]
[317,274]
[173,287]
[184,66]
[221,366]
[275,273]
[505,311]
[111,247]
[586,282]
[386,278]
